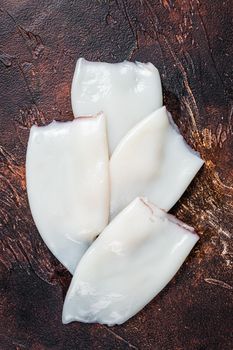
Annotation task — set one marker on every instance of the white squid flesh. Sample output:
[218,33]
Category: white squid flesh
[126,92]
[152,160]
[67,172]
[133,259]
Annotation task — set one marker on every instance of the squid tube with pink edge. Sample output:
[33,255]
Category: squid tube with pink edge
[132,260]
[67,173]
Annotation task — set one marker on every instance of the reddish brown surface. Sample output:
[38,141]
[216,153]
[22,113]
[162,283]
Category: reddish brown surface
[191,44]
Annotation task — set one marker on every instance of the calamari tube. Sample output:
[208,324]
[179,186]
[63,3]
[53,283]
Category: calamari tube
[126,92]
[132,260]
[152,160]
[67,172]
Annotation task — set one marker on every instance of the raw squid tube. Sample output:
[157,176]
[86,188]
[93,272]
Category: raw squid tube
[152,160]
[127,92]
[67,170]
[133,259]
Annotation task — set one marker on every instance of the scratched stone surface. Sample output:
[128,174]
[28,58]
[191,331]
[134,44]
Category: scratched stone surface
[191,44]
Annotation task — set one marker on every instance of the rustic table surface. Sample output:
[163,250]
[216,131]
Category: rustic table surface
[191,44]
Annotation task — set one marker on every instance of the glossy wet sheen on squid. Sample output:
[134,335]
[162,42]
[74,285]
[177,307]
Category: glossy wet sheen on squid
[152,160]
[127,92]
[128,264]
[68,185]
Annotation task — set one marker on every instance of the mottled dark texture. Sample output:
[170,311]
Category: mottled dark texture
[191,43]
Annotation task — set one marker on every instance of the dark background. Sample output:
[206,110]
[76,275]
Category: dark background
[191,44]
